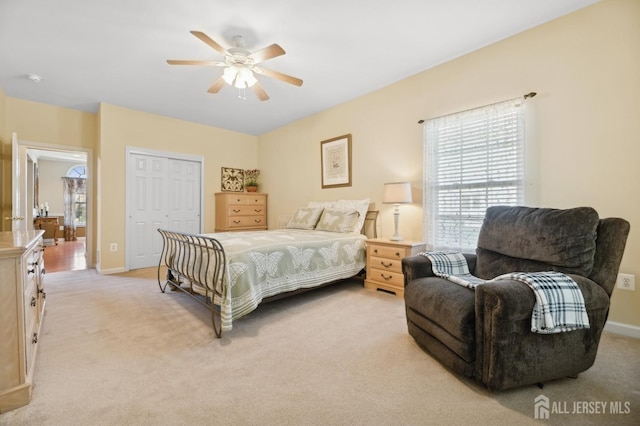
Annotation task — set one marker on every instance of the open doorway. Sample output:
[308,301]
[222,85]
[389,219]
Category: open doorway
[55,208]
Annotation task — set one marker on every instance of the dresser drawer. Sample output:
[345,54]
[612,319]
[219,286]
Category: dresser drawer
[30,306]
[239,210]
[31,341]
[247,200]
[247,222]
[386,264]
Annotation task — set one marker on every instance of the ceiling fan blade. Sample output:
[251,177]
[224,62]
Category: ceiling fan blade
[190,62]
[267,53]
[280,76]
[215,88]
[259,91]
[202,36]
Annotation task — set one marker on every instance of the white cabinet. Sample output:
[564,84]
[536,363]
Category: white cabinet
[22,300]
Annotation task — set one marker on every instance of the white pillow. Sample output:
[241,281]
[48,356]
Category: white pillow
[337,220]
[361,206]
[305,218]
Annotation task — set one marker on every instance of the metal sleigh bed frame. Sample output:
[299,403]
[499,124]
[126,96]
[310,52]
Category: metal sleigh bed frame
[196,265]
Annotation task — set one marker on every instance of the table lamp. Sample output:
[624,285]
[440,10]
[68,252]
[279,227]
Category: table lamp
[397,193]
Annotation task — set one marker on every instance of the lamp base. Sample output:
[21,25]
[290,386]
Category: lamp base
[396,221]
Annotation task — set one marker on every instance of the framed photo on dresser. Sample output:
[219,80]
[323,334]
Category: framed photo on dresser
[232,180]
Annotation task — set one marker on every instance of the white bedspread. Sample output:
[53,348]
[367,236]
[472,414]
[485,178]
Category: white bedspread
[266,263]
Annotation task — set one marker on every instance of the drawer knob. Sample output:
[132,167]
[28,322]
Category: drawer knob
[375,251]
[236,221]
[33,301]
[30,271]
[387,278]
[397,254]
[35,338]
[236,210]
[257,210]
[258,220]
[386,265]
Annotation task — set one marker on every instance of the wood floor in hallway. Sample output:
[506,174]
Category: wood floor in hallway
[66,256]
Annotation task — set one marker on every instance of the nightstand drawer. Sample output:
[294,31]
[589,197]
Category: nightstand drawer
[389,278]
[387,264]
[387,252]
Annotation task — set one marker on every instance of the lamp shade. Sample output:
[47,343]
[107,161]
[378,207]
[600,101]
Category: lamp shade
[397,193]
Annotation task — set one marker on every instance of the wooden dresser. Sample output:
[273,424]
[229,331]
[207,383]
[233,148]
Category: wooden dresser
[384,263]
[236,211]
[22,300]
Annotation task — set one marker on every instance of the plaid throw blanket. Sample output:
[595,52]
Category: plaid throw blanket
[452,266]
[559,302]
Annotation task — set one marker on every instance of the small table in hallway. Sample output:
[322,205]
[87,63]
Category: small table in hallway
[46,223]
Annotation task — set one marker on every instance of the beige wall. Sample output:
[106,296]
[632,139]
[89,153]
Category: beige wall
[122,127]
[584,126]
[51,125]
[51,189]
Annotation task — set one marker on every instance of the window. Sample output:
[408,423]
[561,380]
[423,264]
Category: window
[473,160]
[79,171]
[79,197]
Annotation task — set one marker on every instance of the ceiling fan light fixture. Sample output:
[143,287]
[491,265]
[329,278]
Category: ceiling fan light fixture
[240,65]
[229,74]
[245,78]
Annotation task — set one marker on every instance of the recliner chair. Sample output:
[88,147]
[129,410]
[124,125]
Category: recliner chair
[486,334]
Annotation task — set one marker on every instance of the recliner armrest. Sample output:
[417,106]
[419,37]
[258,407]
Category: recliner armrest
[414,267]
[512,300]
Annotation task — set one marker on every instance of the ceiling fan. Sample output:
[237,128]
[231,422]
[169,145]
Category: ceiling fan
[240,65]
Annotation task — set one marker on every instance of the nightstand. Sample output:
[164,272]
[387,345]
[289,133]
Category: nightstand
[384,263]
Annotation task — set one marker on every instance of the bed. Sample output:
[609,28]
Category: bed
[232,273]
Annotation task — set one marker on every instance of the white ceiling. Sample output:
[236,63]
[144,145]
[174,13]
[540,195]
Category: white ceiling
[115,51]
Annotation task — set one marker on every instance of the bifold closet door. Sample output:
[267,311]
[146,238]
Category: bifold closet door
[184,198]
[163,193]
[148,208]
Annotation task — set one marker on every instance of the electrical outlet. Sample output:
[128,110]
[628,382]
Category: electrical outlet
[114,246]
[626,282]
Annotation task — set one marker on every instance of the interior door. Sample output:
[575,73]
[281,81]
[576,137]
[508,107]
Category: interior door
[147,206]
[18,185]
[184,197]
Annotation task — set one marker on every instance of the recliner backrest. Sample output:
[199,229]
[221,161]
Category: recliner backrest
[526,239]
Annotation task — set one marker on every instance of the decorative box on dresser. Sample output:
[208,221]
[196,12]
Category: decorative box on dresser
[22,300]
[237,211]
[384,263]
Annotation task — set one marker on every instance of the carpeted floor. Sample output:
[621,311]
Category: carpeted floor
[117,351]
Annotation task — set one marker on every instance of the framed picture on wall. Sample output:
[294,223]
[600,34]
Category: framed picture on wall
[232,179]
[335,157]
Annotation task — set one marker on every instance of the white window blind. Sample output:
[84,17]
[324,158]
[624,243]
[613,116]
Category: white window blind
[473,160]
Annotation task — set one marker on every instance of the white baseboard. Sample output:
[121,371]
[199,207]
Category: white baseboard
[623,329]
[110,271]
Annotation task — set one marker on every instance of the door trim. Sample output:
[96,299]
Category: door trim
[90,246]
